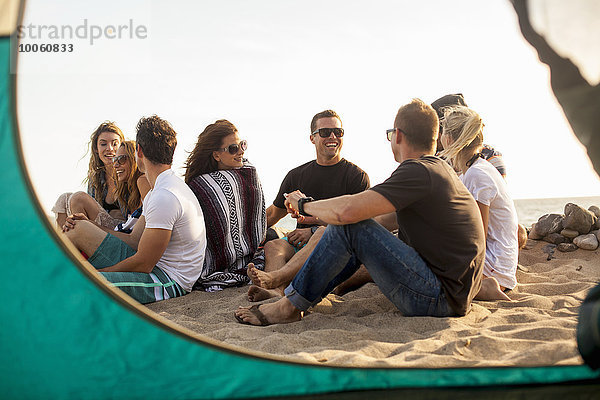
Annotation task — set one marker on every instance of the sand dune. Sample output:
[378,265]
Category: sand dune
[364,329]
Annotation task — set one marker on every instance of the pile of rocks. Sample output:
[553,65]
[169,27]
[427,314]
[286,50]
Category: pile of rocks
[578,228]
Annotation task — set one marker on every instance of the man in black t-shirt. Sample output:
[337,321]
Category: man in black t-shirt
[432,268]
[329,175]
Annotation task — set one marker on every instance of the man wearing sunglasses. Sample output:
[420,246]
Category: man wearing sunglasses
[329,175]
[163,255]
[432,268]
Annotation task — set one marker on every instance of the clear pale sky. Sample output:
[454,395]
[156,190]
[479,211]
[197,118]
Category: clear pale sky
[269,66]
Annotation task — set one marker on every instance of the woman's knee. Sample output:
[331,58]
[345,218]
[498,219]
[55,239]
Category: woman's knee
[79,200]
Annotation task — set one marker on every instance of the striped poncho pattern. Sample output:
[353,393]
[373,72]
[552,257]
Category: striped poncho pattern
[233,204]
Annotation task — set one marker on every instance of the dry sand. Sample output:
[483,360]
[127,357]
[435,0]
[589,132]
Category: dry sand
[364,329]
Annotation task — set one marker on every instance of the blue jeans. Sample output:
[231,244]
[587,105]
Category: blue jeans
[397,269]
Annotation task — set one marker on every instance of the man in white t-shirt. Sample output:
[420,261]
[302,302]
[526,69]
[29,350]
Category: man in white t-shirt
[163,256]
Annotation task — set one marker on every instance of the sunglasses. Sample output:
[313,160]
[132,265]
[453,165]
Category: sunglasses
[326,132]
[120,159]
[235,148]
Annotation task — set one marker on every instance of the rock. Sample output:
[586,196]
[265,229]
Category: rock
[598,235]
[569,233]
[548,223]
[555,238]
[596,211]
[586,242]
[533,235]
[567,247]
[578,219]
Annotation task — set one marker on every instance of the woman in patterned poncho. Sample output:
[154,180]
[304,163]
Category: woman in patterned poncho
[232,200]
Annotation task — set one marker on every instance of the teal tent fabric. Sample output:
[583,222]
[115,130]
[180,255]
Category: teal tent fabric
[63,334]
[588,328]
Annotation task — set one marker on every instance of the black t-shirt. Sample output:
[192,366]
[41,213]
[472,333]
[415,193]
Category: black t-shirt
[323,182]
[439,218]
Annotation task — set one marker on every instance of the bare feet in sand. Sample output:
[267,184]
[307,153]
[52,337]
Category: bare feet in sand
[256,293]
[280,312]
[260,278]
[491,290]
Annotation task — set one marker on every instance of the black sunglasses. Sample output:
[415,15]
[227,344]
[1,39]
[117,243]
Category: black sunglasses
[235,148]
[326,132]
[120,159]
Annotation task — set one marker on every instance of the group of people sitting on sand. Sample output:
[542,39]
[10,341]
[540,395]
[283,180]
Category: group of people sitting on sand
[438,233]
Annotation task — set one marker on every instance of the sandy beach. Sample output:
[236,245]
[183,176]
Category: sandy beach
[364,329]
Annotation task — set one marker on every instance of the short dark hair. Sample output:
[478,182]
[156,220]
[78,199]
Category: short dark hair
[323,114]
[157,138]
[419,123]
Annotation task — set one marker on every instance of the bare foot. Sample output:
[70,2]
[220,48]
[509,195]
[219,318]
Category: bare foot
[280,312]
[260,278]
[490,290]
[256,293]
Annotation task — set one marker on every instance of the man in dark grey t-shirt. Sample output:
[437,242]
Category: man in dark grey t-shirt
[433,267]
[329,175]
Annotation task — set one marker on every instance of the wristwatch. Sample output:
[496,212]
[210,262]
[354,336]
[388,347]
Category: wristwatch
[301,202]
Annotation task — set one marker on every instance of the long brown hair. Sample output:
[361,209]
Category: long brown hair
[128,192]
[97,167]
[201,160]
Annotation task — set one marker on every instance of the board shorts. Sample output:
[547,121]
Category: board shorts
[145,288]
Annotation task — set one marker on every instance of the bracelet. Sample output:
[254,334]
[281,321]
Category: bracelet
[301,202]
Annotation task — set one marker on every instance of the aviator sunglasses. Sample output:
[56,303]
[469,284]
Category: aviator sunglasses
[234,148]
[326,132]
[120,159]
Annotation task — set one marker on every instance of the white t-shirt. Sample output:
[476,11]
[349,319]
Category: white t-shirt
[502,246]
[172,205]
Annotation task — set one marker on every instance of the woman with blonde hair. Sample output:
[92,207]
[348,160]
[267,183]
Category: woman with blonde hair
[100,203]
[232,201]
[462,138]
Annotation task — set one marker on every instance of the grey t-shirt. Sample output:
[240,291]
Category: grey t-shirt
[439,218]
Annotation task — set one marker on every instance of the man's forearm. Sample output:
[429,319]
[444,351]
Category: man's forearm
[274,214]
[329,211]
[311,221]
[343,210]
